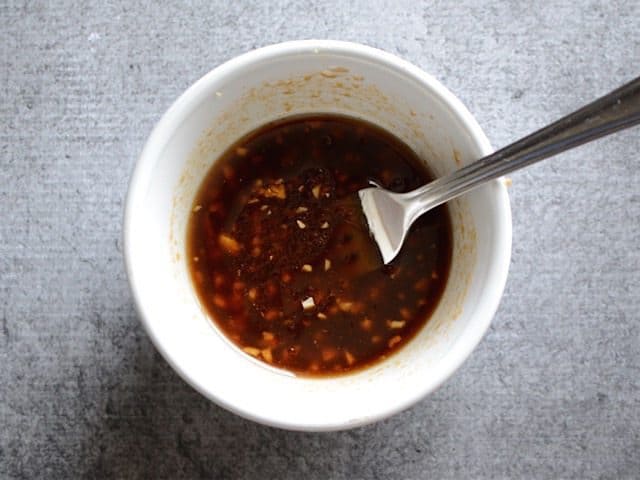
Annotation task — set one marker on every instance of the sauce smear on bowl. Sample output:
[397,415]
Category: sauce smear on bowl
[281,258]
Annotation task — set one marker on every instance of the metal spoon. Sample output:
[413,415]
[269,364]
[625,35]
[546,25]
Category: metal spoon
[390,215]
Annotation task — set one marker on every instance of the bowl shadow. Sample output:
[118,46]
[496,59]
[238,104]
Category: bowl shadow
[154,425]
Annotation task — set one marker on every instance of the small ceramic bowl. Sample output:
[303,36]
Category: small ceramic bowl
[243,94]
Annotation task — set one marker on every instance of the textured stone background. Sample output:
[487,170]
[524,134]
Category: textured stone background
[553,391]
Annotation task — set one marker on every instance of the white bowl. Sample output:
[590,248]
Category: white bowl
[242,94]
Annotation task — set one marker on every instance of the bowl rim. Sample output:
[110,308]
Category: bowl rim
[187,101]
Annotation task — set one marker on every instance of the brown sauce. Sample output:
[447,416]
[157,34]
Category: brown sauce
[281,258]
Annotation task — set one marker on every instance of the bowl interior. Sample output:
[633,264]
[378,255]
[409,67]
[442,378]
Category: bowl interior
[275,82]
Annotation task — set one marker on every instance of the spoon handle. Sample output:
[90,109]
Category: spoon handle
[615,111]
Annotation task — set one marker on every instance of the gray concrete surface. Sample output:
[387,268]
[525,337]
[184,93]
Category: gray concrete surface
[553,391]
